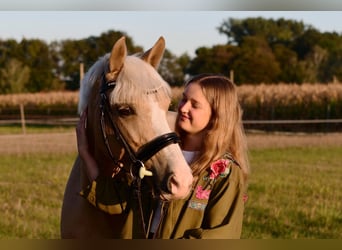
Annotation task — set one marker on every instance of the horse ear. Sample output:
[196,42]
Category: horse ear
[117,58]
[154,55]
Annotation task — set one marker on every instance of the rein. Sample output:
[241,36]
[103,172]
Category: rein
[137,159]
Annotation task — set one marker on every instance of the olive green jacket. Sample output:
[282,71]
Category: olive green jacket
[213,210]
[217,216]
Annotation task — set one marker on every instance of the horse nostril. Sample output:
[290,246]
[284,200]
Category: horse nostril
[177,187]
[166,185]
[171,182]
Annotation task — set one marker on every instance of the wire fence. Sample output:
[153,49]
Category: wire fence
[318,125]
[68,117]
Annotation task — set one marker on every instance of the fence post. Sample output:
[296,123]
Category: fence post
[327,116]
[81,71]
[22,118]
[231,75]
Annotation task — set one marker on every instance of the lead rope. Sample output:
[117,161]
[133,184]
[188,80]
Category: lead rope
[137,189]
[119,165]
[164,206]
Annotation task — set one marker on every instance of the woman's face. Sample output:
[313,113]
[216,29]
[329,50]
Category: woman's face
[194,110]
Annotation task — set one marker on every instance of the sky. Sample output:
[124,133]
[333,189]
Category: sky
[184,31]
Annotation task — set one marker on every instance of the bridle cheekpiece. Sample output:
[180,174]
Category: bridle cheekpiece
[144,153]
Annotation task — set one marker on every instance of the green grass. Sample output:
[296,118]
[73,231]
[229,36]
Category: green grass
[293,193]
[31,129]
[31,191]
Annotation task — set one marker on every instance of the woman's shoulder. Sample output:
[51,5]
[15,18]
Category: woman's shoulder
[222,173]
[221,168]
[228,156]
[225,169]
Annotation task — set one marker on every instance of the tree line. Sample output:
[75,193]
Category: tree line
[258,50]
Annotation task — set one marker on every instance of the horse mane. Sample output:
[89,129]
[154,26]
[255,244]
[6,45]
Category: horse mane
[89,79]
[136,81]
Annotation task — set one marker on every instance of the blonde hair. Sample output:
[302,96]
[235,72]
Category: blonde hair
[225,132]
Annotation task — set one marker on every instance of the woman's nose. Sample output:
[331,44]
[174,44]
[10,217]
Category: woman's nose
[184,107]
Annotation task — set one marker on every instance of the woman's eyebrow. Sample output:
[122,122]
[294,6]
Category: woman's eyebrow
[194,101]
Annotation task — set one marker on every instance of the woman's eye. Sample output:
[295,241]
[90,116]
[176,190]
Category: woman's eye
[195,105]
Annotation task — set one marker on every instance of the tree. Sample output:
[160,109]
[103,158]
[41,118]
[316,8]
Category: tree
[255,62]
[35,54]
[302,52]
[14,77]
[292,70]
[171,68]
[87,50]
[321,55]
[312,63]
[303,44]
[217,59]
[8,50]
[184,62]
[331,68]
[274,31]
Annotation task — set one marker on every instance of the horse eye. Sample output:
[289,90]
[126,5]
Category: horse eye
[125,111]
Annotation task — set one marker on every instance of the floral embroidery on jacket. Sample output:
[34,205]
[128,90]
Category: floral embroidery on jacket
[197,205]
[219,168]
[245,198]
[201,193]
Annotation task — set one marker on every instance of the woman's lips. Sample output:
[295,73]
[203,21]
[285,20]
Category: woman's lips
[184,117]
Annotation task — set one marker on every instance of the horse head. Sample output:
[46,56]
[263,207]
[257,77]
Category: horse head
[127,124]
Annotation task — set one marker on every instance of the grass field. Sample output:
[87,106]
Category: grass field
[294,187]
[31,191]
[295,193]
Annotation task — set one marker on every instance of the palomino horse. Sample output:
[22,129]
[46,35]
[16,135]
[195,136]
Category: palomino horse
[128,130]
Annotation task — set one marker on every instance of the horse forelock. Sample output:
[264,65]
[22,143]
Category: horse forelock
[139,81]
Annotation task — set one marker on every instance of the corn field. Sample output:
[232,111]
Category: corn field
[259,102]
[62,98]
[288,101]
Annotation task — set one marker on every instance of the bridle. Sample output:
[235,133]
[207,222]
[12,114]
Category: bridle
[137,159]
[145,152]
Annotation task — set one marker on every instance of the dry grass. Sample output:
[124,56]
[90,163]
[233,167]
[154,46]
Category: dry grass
[36,99]
[283,94]
[290,94]
[249,95]
[35,143]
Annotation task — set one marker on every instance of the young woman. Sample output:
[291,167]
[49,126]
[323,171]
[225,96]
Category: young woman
[214,144]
